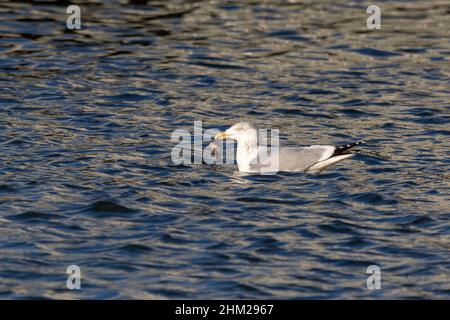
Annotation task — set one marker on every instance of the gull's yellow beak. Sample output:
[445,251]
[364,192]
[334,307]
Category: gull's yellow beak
[221,136]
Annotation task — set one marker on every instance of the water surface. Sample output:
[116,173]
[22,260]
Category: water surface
[86,177]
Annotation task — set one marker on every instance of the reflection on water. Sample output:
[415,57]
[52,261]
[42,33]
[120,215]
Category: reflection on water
[86,178]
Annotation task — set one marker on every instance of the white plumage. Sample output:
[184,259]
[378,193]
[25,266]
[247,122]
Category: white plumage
[252,157]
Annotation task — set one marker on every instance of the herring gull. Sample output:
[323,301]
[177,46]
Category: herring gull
[252,157]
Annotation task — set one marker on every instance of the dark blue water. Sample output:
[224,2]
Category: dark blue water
[86,176]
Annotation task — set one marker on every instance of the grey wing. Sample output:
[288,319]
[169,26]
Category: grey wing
[300,159]
[292,159]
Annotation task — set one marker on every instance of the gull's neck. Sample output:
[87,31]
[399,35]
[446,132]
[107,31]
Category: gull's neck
[247,152]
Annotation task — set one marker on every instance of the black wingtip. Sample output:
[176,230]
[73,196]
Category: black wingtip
[345,147]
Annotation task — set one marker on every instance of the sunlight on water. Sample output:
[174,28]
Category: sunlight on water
[86,178]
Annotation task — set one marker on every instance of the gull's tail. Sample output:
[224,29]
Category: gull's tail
[340,153]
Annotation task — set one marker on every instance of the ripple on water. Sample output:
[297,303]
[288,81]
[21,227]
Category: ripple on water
[105,209]
[86,175]
[376,53]
[34,216]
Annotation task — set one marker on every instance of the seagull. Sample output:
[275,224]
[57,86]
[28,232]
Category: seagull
[254,158]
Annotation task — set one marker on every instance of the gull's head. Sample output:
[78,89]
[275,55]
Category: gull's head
[241,131]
